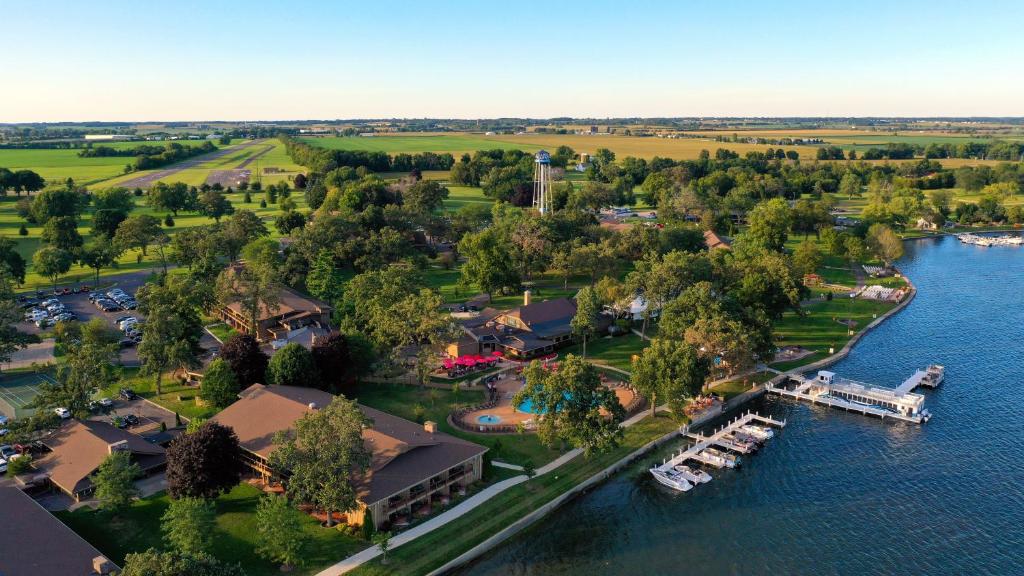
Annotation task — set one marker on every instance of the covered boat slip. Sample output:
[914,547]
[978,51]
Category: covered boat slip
[831,390]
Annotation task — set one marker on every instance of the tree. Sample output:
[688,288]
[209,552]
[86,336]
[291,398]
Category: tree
[575,407]
[770,222]
[57,203]
[12,260]
[99,253]
[173,563]
[204,463]
[323,454]
[105,222]
[247,361]
[172,197]
[219,387]
[280,532]
[292,365]
[289,221]
[62,232]
[488,264]
[170,335]
[383,541]
[856,251]
[243,227]
[884,243]
[425,196]
[188,525]
[341,359]
[669,371]
[850,185]
[11,339]
[137,232]
[807,257]
[300,181]
[325,280]
[89,364]
[52,262]
[28,181]
[213,204]
[584,323]
[115,482]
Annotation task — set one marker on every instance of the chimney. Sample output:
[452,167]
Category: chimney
[430,426]
[527,296]
[100,565]
[119,446]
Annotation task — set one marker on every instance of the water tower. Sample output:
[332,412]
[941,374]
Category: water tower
[542,182]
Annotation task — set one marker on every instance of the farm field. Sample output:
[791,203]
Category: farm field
[641,147]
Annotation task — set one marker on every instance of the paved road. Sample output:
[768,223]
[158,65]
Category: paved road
[146,180]
[41,353]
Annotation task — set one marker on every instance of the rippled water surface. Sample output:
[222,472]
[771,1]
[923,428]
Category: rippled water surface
[839,493]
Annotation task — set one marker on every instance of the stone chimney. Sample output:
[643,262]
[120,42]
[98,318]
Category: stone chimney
[100,565]
[119,446]
[527,297]
[430,426]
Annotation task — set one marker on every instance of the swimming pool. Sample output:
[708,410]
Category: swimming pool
[527,406]
[488,419]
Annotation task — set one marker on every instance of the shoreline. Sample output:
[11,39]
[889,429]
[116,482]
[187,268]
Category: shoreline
[730,406]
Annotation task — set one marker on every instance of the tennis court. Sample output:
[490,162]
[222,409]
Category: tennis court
[17,390]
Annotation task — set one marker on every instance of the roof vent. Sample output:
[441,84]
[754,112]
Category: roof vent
[100,565]
[313,406]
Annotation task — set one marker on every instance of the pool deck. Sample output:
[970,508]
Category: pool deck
[506,411]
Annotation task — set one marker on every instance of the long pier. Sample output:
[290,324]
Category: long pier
[695,452]
[899,403]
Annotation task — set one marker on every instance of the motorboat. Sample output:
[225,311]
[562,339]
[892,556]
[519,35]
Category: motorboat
[671,478]
[934,375]
[758,431]
[742,444]
[741,435]
[693,475]
[730,460]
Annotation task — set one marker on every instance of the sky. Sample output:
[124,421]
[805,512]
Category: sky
[289,60]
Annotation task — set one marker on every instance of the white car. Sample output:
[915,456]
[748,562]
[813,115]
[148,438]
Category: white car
[105,402]
[64,413]
[3,466]
[124,324]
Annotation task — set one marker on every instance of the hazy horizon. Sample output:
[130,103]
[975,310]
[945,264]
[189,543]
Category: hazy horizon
[259,61]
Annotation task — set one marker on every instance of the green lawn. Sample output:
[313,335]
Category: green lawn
[412,144]
[819,330]
[221,331]
[459,196]
[234,541]
[616,352]
[175,396]
[734,388]
[433,549]
[402,400]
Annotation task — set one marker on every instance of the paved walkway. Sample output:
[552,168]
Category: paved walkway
[467,505]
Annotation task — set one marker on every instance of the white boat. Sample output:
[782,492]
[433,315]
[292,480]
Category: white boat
[693,475]
[729,460]
[758,431]
[742,444]
[672,479]
[934,375]
[741,435]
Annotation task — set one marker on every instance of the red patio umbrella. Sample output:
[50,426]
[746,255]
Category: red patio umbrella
[497,353]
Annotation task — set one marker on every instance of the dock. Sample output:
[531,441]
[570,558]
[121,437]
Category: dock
[830,390]
[717,438]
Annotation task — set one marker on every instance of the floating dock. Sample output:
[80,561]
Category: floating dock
[830,390]
[695,452]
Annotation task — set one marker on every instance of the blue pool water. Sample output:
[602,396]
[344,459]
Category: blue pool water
[839,493]
[528,407]
[488,419]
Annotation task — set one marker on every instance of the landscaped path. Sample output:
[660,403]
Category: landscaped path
[467,505]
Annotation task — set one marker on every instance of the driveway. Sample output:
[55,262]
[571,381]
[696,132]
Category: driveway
[149,414]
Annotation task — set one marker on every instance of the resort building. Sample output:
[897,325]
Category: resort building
[34,542]
[528,331]
[296,317]
[413,466]
[78,449]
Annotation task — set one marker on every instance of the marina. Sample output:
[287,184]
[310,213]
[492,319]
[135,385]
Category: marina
[900,403]
[717,450]
[979,240]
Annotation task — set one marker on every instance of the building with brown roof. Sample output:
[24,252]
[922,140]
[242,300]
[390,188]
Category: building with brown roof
[295,314]
[412,465]
[527,331]
[34,542]
[713,240]
[78,448]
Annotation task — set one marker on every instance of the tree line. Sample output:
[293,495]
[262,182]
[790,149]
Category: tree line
[323,160]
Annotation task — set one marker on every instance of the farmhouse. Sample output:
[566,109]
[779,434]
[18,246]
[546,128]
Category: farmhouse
[33,541]
[412,465]
[78,449]
[296,317]
[531,330]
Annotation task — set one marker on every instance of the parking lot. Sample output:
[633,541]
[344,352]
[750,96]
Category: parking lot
[84,310]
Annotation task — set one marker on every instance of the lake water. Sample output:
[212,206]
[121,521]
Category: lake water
[841,493]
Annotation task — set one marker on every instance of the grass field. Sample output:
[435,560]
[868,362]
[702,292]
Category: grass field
[819,329]
[234,540]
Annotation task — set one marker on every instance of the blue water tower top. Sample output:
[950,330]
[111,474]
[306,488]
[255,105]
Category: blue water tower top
[543,157]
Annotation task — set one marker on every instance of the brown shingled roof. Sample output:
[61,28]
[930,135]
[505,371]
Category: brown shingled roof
[403,452]
[34,542]
[78,448]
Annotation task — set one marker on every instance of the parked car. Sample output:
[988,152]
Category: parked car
[127,394]
[93,296]
[83,289]
[3,466]
[64,413]
[125,421]
[33,449]
[130,304]
[3,420]
[107,305]
[127,342]
[7,452]
[126,321]
[105,402]
[120,319]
